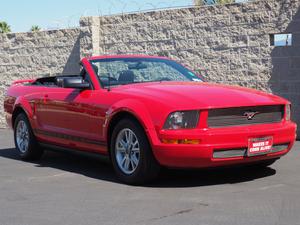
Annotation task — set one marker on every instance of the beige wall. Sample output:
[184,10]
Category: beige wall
[226,43]
[30,55]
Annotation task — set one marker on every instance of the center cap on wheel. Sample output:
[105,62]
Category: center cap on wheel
[127,150]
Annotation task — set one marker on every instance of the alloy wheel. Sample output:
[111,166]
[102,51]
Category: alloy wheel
[127,149]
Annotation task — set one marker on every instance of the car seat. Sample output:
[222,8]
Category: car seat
[126,76]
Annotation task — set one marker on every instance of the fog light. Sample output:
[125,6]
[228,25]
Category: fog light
[189,142]
[168,141]
[181,141]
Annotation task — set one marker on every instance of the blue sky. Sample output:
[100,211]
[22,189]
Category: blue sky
[52,14]
[49,14]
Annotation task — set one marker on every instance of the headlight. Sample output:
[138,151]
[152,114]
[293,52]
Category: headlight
[182,120]
[288,112]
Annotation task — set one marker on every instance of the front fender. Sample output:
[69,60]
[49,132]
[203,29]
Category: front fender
[139,111]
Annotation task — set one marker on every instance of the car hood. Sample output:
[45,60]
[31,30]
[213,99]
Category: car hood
[190,95]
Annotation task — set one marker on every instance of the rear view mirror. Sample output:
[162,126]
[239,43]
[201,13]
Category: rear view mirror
[75,82]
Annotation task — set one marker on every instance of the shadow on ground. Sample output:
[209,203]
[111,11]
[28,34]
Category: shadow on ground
[99,169]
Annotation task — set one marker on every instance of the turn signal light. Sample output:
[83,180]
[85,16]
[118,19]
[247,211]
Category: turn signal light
[182,141]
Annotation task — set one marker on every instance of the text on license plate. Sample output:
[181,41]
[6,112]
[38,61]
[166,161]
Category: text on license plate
[260,145]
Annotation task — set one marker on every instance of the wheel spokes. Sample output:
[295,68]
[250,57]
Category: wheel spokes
[123,160]
[127,151]
[127,161]
[22,136]
[134,160]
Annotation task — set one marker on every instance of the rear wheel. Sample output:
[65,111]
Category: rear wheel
[131,154]
[25,141]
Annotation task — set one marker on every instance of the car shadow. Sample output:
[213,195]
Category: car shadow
[210,177]
[102,170]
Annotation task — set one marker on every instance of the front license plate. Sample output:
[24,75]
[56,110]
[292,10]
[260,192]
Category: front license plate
[260,146]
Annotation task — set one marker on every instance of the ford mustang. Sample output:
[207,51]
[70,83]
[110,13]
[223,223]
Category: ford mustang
[144,113]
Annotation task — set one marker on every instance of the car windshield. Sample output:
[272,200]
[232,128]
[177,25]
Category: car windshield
[123,71]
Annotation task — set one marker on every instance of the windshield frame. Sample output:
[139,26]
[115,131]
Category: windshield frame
[189,74]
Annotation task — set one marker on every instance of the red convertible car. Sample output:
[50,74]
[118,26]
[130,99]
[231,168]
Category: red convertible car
[146,112]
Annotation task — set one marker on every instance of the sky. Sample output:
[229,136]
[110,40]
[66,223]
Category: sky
[283,39]
[54,14]
[51,14]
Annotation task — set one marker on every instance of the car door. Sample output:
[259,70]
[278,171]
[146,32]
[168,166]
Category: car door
[68,117]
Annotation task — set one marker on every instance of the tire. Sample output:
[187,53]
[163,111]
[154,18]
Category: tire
[133,163]
[25,141]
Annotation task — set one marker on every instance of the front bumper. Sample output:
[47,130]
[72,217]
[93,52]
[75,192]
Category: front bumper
[215,139]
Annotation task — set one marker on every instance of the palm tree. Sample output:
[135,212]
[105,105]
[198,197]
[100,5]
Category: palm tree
[4,27]
[35,28]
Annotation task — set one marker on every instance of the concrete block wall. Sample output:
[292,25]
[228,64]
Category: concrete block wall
[225,43]
[36,54]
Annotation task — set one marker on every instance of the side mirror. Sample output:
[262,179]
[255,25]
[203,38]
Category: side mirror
[75,82]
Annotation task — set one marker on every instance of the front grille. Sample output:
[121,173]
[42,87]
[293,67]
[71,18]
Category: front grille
[242,152]
[245,116]
[281,147]
[229,153]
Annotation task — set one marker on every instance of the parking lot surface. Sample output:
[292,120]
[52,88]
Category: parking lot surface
[69,189]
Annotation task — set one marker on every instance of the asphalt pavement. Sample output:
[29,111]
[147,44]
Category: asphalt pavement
[68,189]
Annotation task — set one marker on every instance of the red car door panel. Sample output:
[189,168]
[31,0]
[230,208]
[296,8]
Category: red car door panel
[66,117]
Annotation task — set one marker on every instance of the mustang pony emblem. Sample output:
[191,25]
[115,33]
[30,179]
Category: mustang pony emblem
[250,115]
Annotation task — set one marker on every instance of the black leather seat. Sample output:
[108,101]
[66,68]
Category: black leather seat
[126,76]
[95,68]
[60,81]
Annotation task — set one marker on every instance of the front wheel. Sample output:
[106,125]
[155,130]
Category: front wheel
[131,154]
[24,138]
